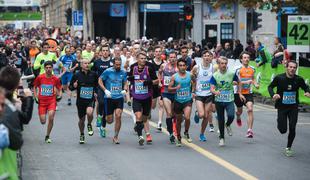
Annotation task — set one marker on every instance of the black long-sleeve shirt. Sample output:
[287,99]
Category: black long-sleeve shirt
[287,88]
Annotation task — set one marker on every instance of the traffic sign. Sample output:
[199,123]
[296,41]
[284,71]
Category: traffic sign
[77,20]
[298,33]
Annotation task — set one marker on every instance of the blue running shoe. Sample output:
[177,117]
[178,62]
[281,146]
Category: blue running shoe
[196,118]
[202,137]
[102,132]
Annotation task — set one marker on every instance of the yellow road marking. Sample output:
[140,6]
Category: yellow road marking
[209,155]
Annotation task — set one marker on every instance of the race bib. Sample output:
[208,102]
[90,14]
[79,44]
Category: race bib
[204,86]
[289,97]
[86,92]
[183,93]
[224,96]
[167,80]
[46,90]
[246,86]
[116,88]
[140,89]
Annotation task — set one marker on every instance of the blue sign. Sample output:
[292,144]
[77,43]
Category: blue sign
[118,10]
[164,8]
[77,19]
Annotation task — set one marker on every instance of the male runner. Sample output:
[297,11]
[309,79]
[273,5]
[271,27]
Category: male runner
[44,56]
[85,82]
[245,97]
[113,82]
[49,91]
[222,87]
[182,84]
[287,101]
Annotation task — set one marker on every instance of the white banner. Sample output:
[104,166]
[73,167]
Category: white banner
[19,3]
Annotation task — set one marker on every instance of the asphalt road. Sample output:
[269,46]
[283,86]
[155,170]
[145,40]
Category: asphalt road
[241,158]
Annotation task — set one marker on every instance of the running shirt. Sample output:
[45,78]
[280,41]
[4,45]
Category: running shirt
[101,65]
[184,93]
[47,87]
[87,55]
[32,54]
[57,68]
[287,88]
[204,76]
[43,57]
[224,84]
[156,66]
[19,54]
[113,81]
[166,77]
[138,90]
[87,86]
[245,74]
[67,62]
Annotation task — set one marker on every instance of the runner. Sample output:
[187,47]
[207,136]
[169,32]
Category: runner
[88,53]
[99,66]
[164,74]
[113,82]
[157,62]
[222,87]
[85,82]
[49,91]
[287,101]
[245,97]
[42,57]
[203,73]
[142,78]
[67,61]
[182,84]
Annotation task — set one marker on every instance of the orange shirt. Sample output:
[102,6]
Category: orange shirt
[245,74]
[32,53]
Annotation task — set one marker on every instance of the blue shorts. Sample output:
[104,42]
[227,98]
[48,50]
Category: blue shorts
[66,78]
[168,96]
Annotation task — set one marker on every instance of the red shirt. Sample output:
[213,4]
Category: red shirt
[47,91]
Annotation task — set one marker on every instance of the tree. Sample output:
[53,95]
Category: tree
[302,5]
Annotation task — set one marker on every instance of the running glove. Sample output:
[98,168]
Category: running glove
[58,98]
[107,93]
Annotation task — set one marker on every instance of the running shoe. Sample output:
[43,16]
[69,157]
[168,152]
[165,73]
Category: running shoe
[149,139]
[99,121]
[69,102]
[159,128]
[48,140]
[202,137]
[249,133]
[102,132]
[288,152]
[229,130]
[178,143]
[222,142]
[188,139]
[211,128]
[172,139]
[239,122]
[115,140]
[82,139]
[196,118]
[141,140]
[90,130]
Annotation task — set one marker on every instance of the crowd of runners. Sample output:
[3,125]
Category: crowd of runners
[104,74]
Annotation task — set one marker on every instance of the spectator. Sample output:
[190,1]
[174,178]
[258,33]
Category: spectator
[197,51]
[251,49]
[227,52]
[238,49]
[263,55]
[278,53]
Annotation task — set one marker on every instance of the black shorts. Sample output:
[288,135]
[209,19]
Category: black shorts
[112,104]
[82,107]
[156,92]
[248,97]
[178,107]
[168,96]
[143,106]
[205,99]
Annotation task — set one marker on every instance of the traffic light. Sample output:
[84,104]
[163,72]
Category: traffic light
[68,15]
[256,20]
[188,15]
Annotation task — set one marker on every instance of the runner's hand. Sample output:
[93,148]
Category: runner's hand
[276,97]
[123,92]
[242,98]
[307,94]
[107,93]
[58,98]
[129,103]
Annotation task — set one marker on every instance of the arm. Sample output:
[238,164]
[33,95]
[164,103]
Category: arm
[213,86]
[72,85]
[153,76]
[272,85]
[160,75]
[264,58]
[101,85]
[305,87]
[170,86]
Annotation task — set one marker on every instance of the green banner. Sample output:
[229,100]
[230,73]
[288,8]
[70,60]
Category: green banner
[265,74]
[9,16]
